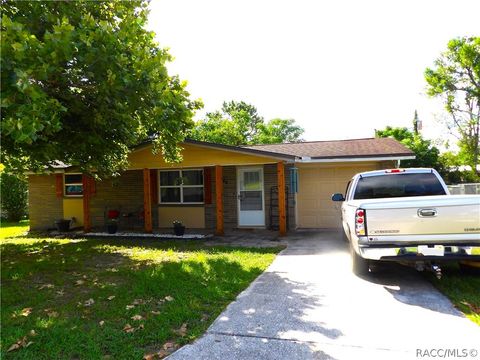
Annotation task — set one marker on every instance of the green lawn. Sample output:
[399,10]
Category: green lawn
[117,299]
[462,289]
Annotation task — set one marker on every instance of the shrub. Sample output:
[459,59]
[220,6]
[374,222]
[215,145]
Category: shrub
[14,197]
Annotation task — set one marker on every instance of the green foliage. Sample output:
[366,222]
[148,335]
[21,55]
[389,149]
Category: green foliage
[279,131]
[453,173]
[14,197]
[426,155]
[456,80]
[239,123]
[82,82]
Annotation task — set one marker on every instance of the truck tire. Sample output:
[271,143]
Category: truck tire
[360,266]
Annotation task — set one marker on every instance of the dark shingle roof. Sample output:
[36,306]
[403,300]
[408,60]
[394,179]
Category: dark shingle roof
[373,147]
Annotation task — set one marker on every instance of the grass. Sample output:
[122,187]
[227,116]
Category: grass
[462,289]
[10,229]
[117,299]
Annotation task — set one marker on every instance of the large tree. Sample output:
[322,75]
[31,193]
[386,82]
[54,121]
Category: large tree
[239,123]
[82,82]
[455,78]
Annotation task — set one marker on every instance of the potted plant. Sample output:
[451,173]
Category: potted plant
[178,228]
[112,226]
[62,225]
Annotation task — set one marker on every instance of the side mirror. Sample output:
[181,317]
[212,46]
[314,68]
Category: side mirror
[338,197]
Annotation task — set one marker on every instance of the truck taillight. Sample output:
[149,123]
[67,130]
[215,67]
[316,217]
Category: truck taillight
[394,171]
[360,222]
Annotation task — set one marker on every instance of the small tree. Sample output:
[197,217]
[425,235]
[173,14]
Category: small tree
[14,197]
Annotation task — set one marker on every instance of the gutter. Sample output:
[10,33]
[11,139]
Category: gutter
[309,160]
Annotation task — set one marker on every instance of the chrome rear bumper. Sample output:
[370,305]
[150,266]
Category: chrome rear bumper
[420,252]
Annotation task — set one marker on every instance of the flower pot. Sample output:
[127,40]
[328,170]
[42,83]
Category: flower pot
[112,228]
[179,230]
[62,225]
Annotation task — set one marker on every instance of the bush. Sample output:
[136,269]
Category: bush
[14,197]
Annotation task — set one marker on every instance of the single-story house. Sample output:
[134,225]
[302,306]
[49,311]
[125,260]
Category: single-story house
[218,187]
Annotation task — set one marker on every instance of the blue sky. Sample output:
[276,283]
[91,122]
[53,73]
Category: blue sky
[339,68]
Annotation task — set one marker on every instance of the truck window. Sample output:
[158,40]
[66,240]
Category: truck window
[398,185]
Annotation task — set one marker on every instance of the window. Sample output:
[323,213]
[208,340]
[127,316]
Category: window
[181,186]
[398,185]
[73,185]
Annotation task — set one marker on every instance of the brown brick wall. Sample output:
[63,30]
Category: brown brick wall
[44,206]
[210,209]
[230,219]
[124,193]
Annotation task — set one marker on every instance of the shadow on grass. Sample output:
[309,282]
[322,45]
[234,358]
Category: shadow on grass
[57,279]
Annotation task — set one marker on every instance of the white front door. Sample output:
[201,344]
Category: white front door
[251,205]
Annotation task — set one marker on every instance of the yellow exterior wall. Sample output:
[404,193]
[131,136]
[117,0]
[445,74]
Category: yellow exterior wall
[191,217]
[73,207]
[316,184]
[193,156]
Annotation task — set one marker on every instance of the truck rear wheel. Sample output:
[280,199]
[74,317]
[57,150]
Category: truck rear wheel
[360,266]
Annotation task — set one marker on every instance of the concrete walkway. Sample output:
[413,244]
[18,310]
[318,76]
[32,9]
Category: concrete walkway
[308,305]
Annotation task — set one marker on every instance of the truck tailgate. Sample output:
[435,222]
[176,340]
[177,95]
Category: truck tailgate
[426,215]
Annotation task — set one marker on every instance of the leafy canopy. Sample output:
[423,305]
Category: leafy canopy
[426,155]
[82,82]
[456,80]
[239,123]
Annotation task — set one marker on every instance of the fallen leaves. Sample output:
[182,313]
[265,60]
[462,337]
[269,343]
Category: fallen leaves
[79,282]
[137,317]
[110,298]
[182,331]
[154,312]
[25,312]
[51,313]
[89,302]
[169,298]
[101,323]
[21,343]
[474,308]
[166,350]
[46,286]
[128,307]
[130,329]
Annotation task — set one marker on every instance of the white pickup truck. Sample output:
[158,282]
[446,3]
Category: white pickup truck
[408,215]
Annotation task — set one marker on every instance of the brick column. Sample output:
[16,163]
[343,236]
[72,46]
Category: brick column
[87,224]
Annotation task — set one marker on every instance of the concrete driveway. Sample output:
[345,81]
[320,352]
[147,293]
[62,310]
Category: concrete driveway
[308,305]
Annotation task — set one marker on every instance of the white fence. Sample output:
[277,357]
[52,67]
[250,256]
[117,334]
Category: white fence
[461,189]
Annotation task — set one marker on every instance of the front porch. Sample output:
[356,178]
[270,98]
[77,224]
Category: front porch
[144,203]
[225,204]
